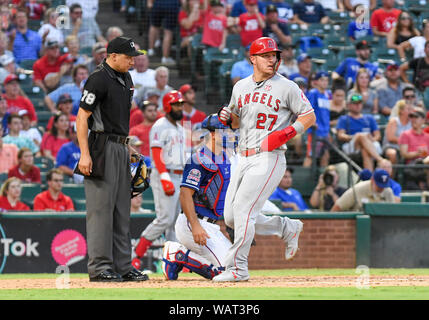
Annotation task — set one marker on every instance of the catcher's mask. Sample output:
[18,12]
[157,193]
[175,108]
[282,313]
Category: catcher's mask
[139,174]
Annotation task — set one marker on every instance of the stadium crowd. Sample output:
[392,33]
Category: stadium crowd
[370,93]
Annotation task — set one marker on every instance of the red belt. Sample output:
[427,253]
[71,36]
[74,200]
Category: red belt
[250,152]
[175,171]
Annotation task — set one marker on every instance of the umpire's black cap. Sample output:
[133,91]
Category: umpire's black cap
[123,45]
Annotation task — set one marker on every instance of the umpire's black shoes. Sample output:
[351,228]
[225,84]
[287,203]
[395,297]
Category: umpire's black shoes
[135,275]
[107,276]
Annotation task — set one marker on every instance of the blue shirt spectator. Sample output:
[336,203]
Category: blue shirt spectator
[240,70]
[357,30]
[350,66]
[291,199]
[321,103]
[366,123]
[284,9]
[73,90]
[239,8]
[309,11]
[68,155]
[26,46]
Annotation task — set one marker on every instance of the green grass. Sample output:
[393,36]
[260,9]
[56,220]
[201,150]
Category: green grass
[230,292]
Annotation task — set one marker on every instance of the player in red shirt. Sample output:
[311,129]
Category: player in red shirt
[53,199]
[10,195]
[150,115]
[384,18]
[15,101]
[251,23]
[25,170]
[52,64]
[215,25]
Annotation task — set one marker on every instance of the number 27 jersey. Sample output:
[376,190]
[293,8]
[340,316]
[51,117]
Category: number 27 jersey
[265,107]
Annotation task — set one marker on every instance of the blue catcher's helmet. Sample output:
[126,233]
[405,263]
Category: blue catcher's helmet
[212,123]
[139,174]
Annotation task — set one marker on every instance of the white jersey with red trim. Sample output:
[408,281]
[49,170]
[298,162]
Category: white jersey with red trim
[266,106]
[171,138]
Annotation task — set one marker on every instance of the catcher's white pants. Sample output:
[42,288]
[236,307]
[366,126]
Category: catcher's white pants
[166,208]
[214,252]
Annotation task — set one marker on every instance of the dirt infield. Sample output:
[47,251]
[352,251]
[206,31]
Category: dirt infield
[257,281]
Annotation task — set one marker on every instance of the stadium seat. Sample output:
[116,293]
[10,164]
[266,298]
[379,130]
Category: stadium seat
[233,41]
[3,177]
[27,64]
[86,50]
[44,163]
[304,180]
[386,54]
[34,24]
[29,192]
[79,204]
[196,53]
[74,191]
[225,85]
[43,118]
[417,7]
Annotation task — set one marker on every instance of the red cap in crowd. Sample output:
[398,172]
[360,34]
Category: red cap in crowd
[185,88]
[9,78]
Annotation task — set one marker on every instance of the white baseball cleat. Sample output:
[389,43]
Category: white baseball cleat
[229,276]
[292,244]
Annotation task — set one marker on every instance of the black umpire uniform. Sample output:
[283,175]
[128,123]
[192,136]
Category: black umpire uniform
[107,95]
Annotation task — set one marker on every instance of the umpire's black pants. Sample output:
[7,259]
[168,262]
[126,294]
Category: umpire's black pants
[108,202]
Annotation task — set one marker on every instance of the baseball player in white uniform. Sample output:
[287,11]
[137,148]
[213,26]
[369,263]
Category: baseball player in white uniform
[169,154]
[263,107]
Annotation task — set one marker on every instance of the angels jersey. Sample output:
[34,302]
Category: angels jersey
[171,139]
[266,106]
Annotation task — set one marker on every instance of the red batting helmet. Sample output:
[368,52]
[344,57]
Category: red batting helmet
[264,45]
[169,98]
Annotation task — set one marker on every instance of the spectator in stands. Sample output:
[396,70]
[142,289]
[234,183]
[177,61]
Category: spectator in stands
[304,68]
[99,53]
[349,67]
[113,32]
[417,43]
[384,19]
[285,11]
[7,67]
[370,191]
[14,137]
[338,105]
[8,155]
[239,7]
[190,113]
[26,43]
[394,128]
[394,185]
[241,69]
[136,113]
[359,27]
[291,199]
[402,31]
[25,170]
[409,96]
[319,98]
[53,69]
[369,5]
[309,11]
[36,9]
[142,75]
[191,21]
[390,93]
[369,95]
[74,89]
[58,135]
[136,205]
[163,13]
[275,28]
[10,196]
[89,7]
[53,199]
[251,23]
[332,5]
[420,66]
[4,114]
[27,130]
[64,105]
[68,156]
[215,25]
[327,190]
[359,133]
[142,130]
[4,45]
[85,28]
[15,100]
[414,147]
[289,65]
[161,88]
[72,47]
[49,30]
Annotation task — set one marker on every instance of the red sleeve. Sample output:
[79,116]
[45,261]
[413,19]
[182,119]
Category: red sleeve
[374,19]
[23,207]
[30,108]
[38,203]
[70,205]
[36,175]
[136,118]
[157,159]
[403,138]
[37,72]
